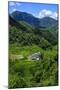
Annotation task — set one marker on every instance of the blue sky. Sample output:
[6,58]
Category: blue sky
[37,9]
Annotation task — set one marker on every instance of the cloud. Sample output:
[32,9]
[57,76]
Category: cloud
[18,4]
[14,9]
[11,3]
[47,13]
[14,3]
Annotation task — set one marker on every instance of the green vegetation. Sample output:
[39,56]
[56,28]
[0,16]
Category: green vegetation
[32,73]
[28,73]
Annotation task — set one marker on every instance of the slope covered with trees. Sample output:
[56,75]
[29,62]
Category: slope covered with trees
[26,39]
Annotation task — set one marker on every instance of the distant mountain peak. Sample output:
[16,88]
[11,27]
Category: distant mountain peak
[47,17]
[30,19]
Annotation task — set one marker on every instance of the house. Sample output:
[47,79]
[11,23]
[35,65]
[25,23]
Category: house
[35,56]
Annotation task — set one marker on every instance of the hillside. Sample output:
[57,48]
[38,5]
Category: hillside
[22,31]
[25,40]
[30,19]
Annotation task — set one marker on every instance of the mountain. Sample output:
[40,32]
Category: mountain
[25,34]
[20,25]
[30,19]
[48,22]
[23,16]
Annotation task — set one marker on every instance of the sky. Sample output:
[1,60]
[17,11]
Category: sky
[38,10]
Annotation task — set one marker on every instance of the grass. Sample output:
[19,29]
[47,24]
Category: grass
[24,73]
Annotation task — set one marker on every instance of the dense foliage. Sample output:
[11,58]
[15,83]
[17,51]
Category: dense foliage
[25,73]
[26,40]
[29,36]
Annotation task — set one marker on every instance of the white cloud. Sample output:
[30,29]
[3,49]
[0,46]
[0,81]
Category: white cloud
[11,3]
[18,4]
[14,9]
[45,13]
[14,3]
[55,15]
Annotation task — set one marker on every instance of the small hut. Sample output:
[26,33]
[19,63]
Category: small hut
[35,56]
